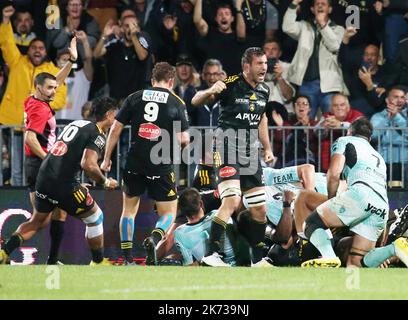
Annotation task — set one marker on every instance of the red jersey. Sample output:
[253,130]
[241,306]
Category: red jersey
[39,118]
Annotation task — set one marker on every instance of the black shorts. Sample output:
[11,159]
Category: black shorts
[70,197]
[32,166]
[247,181]
[159,188]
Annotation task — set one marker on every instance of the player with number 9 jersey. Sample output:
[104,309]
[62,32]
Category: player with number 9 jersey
[158,119]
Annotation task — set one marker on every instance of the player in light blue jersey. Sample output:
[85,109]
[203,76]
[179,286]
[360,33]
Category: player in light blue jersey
[192,238]
[363,207]
[294,179]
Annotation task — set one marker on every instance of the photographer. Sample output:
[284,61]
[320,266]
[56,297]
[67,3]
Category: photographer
[280,89]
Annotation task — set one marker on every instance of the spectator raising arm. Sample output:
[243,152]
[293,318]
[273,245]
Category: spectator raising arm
[141,52]
[64,72]
[200,23]
[290,26]
[331,39]
[100,49]
[11,54]
[88,68]
[241,27]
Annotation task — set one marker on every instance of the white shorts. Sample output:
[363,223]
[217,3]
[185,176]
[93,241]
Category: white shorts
[365,216]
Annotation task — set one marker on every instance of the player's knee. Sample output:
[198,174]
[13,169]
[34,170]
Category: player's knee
[312,223]
[355,261]
[94,224]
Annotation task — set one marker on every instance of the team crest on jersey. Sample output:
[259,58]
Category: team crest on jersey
[149,131]
[227,172]
[100,142]
[155,96]
[59,149]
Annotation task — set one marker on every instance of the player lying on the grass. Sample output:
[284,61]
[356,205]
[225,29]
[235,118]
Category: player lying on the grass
[153,113]
[78,147]
[363,207]
[211,202]
[192,238]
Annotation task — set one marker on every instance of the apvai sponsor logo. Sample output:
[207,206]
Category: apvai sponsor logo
[59,149]
[149,131]
[227,172]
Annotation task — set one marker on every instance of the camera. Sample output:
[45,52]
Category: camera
[271,64]
[366,65]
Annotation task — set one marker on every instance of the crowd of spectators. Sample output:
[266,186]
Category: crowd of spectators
[327,65]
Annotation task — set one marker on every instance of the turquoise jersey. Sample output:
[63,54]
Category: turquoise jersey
[364,168]
[278,180]
[192,241]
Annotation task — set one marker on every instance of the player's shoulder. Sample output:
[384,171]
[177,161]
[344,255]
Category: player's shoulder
[179,99]
[158,95]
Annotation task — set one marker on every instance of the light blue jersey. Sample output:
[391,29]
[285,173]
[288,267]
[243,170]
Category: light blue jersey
[363,207]
[192,241]
[364,166]
[278,180]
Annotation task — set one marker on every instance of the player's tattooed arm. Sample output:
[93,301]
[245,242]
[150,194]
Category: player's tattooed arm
[333,174]
[210,95]
[113,138]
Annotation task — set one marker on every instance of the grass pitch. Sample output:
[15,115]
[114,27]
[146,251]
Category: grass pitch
[84,282]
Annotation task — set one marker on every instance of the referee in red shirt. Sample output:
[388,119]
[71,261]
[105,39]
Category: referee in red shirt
[40,126]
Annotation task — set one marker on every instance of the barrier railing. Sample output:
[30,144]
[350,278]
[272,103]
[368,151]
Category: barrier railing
[291,146]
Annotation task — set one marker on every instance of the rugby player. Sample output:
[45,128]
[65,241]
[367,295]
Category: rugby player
[153,113]
[192,238]
[78,147]
[242,104]
[363,207]
[40,125]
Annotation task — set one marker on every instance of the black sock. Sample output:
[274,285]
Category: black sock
[97,255]
[56,233]
[157,234]
[14,242]
[126,247]
[217,231]
[255,237]
[244,221]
